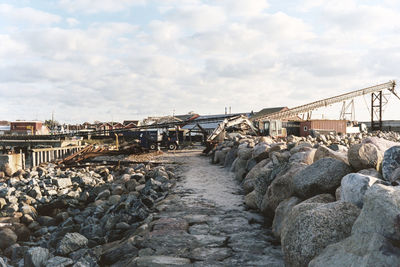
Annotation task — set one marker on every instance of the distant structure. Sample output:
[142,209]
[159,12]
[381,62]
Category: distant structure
[28,128]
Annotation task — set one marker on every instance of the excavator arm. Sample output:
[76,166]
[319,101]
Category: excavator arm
[237,120]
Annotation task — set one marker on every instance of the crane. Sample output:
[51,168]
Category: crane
[376,102]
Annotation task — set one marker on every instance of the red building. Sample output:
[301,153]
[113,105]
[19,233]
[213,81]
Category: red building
[27,127]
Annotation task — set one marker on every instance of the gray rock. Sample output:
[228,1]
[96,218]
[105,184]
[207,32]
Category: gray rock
[7,238]
[71,242]
[120,250]
[322,198]
[230,157]
[3,263]
[160,261]
[354,186]
[36,257]
[390,163]
[250,200]
[380,213]
[59,262]
[219,157]
[63,182]
[304,236]
[366,249]
[248,182]
[281,213]
[261,151]
[251,163]
[301,147]
[280,189]
[371,172]
[323,176]
[103,194]
[381,143]
[306,157]
[364,156]
[261,184]
[210,254]
[324,152]
[338,192]
[245,153]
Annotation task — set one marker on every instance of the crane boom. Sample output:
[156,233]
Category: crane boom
[328,101]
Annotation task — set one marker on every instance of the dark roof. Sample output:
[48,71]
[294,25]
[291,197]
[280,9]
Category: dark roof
[126,122]
[267,111]
[185,117]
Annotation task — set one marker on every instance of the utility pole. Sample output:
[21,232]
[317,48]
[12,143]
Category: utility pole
[52,122]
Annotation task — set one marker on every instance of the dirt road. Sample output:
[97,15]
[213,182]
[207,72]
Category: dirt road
[205,223]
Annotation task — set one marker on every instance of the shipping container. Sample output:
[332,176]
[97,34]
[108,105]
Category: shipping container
[323,126]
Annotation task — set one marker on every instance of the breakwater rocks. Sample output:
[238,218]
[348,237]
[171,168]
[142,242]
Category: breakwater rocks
[78,217]
[330,200]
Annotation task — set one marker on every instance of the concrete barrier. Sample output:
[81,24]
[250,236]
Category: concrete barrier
[40,155]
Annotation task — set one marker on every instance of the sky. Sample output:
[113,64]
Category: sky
[114,60]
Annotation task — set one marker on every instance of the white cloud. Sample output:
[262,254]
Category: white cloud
[197,17]
[89,6]
[194,55]
[72,22]
[10,47]
[245,8]
[27,15]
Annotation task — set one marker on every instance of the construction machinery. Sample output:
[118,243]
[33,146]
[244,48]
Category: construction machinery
[271,124]
[239,122]
[378,100]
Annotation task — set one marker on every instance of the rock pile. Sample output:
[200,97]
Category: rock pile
[75,217]
[324,195]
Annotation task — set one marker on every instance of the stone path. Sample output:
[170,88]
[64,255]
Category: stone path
[205,223]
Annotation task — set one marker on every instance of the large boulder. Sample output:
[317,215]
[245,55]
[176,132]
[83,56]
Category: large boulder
[261,151]
[36,257]
[380,213]
[71,242]
[381,143]
[219,156]
[391,164]
[354,186]
[230,157]
[304,236]
[372,172]
[306,157]
[245,153]
[364,156]
[280,189]
[367,250]
[248,182]
[261,184]
[322,198]
[281,213]
[250,200]
[323,176]
[324,152]
[301,147]
[7,238]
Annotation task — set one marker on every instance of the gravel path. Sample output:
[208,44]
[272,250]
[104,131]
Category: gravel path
[205,223]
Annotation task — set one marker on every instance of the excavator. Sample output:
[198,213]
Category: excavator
[218,135]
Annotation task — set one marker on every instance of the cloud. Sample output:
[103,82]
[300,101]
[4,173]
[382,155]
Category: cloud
[192,55]
[26,15]
[89,6]
[72,22]
[196,18]
[245,8]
